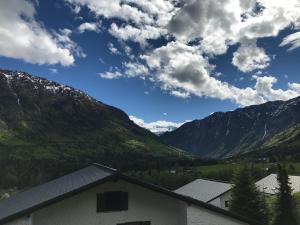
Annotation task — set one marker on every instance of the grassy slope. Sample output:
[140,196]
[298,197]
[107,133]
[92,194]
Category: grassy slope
[288,138]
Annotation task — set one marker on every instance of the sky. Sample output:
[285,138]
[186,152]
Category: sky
[163,62]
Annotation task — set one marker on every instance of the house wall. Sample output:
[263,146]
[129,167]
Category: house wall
[200,216]
[143,205]
[20,221]
[220,201]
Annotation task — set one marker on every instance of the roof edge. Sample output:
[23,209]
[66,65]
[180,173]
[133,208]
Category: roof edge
[105,167]
[117,175]
[187,199]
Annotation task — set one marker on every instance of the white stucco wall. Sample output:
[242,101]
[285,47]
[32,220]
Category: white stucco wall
[143,205]
[20,221]
[220,201]
[225,197]
[200,216]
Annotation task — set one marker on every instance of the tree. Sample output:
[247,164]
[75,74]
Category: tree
[246,199]
[285,205]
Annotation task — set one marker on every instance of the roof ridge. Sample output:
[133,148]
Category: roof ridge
[207,179]
[105,167]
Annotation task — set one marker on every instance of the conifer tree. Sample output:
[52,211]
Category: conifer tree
[246,199]
[285,205]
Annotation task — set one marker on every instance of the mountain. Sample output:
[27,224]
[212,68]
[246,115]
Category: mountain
[47,129]
[271,126]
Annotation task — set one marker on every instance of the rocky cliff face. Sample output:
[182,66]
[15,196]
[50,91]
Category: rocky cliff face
[243,130]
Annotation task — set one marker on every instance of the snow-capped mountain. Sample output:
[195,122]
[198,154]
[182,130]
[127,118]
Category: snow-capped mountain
[268,127]
[57,128]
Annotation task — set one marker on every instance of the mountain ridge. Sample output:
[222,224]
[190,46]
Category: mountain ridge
[47,129]
[227,134]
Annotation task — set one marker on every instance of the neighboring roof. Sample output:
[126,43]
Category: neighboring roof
[204,190]
[59,189]
[269,184]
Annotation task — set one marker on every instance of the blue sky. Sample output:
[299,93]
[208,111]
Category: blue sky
[161,61]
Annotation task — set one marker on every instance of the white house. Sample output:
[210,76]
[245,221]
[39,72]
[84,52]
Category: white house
[269,184]
[98,195]
[212,192]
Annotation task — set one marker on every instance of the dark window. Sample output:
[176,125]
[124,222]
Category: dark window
[112,201]
[136,223]
[226,204]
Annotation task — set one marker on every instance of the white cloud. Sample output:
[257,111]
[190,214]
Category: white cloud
[113,49]
[110,74]
[295,87]
[264,87]
[293,40]
[22,37]
[53,70]
[142,20]
[89,27]
[136,69]
[180,94]
[249,57]
[157,127]
[136,34]
[183,69]
[114,9]
[222,23]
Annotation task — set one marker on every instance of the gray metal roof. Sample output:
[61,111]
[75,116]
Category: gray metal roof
[54,189]
[43,195]
[269,184]
[204,190]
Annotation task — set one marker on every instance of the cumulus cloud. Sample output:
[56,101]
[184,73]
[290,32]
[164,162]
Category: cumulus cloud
[264,87]
[293,40]
[249,57]
[182,71]
[180,94]
[136,69]
[113,49]
[136,34]
[157,127]
[221,23]
[143,20]
[22,37]
[89,27]
[295,87]
[196,32]
[110,75]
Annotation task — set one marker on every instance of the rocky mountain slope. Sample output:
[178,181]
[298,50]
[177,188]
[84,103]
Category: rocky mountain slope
[267,127]
[47,128]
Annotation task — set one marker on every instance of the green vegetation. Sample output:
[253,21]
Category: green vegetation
[289,137]
[246,199]
[47,130]
[225,171]
[285,204]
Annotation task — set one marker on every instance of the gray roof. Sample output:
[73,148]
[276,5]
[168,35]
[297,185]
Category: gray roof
[43,195]
[54,189]
[269,184]
[204,190]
